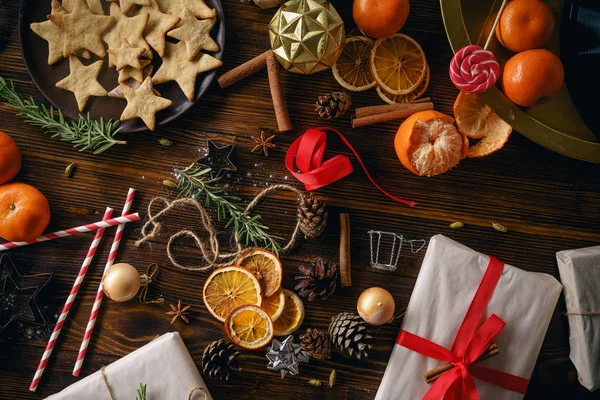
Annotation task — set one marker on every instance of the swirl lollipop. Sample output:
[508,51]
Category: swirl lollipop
[474,69]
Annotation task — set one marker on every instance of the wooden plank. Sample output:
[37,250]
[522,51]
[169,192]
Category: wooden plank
[547,201]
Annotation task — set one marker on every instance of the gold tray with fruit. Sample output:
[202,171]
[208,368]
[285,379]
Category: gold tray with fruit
[564,123]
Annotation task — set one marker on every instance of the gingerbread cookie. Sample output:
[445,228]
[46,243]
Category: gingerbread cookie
[82,29]
[195,34]
[177,67]
[82,81]
[143,103]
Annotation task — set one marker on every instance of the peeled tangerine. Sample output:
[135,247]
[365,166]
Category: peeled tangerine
[428,143]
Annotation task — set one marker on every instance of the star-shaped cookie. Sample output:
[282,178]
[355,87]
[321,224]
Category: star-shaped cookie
[195,34]
[177,7]
[127,4]
[52,34]
[137,74]
[126,55]
[143,103]
[126,28]
[177,67]
[82,29]
[94,5]
[82,81]
[158,25]
[117,92]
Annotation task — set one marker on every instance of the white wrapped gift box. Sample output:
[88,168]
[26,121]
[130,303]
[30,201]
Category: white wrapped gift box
[164,365]
[580,275]
[447,282]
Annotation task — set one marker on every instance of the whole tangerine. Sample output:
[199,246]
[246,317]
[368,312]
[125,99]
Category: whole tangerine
[532,77]
[10,158]
[427,143]
[380,18]
[525,25]
[24,212]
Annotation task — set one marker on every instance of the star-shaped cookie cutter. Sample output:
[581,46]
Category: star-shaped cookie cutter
[217,159]
[12,281]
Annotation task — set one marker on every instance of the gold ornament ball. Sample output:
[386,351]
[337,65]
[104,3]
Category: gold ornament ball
[121,282]
[376,306]
[307,36]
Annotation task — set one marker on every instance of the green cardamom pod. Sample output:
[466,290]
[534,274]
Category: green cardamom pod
[332,377]
[169,183]
[70,169]
[314,382]
[165,142]
[456,225]
[499,227]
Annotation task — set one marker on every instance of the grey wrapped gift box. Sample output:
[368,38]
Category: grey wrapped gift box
[164,365]
[580,274]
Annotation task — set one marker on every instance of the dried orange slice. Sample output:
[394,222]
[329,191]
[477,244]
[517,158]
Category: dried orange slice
[398,64]
[265,266]
[228,288]
[292,316]
[250,327]
[477,120]
[352,69]
[405,98]
[274,304]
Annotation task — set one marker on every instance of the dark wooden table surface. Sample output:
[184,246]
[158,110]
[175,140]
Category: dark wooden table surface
[548,202]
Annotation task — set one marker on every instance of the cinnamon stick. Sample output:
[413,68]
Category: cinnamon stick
[433,374]
[345,264]
[281,111]
[378,114]
[421,99]
[245,70]
[362,112]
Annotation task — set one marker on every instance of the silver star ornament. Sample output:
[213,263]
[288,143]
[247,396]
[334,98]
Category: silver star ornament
[286,356]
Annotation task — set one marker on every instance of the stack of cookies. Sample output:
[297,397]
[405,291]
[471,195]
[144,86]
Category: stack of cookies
[134,33]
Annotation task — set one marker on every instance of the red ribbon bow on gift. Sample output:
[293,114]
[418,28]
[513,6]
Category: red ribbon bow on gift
[309,149]
[469,344]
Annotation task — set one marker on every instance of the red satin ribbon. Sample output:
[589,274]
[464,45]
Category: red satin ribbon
[308,151]
[469,344]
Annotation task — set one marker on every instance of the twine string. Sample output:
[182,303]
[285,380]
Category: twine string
[150,272]
[197,388]
[209,247]
[103,375]
[582,314]
[110,394]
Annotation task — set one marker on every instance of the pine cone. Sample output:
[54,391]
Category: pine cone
[348,332]
[312,214]
[333,105]
[316,343]
[318,279]
[219,359]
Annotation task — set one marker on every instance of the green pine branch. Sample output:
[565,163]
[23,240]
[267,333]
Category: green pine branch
[195,182]
[141,392]
[84,134]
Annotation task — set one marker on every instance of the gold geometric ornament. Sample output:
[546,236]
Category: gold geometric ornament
[307,36]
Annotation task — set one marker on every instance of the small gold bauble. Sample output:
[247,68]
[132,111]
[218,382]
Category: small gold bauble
[307,36]
[376,306]
[121,282]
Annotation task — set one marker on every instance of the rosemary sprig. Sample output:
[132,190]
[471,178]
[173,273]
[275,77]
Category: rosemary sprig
[141,392]
[195,182]
[85,133]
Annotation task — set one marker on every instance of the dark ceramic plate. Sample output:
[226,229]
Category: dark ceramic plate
[557,124]
[35,54]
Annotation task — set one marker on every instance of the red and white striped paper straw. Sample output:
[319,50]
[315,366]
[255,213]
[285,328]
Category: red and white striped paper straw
[124,219]
[100,293]
[67,307]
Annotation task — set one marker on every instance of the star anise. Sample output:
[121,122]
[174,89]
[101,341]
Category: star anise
[179,312]
[263,143]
